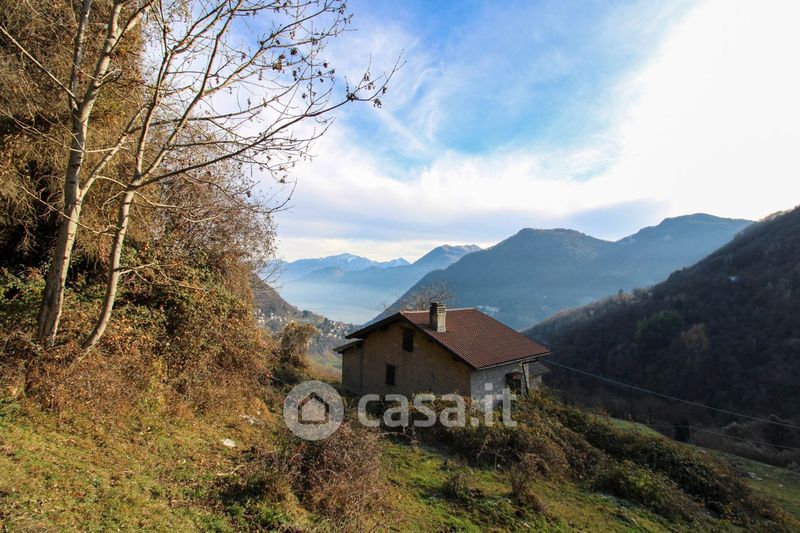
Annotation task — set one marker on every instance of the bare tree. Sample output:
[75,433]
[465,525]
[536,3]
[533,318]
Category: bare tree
[225,85]
[421,298]
[81,89]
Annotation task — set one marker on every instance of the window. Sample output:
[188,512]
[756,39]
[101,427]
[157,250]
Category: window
[514,381]
[391,371]
[408,340]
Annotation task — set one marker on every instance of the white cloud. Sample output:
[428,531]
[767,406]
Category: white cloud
[709,123]
[715,125]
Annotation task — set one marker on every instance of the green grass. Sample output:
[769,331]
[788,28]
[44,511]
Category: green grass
[419,503]
[632,426]
[57,475]
[772,482]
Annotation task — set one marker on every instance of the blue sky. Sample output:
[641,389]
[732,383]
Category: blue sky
[603,117]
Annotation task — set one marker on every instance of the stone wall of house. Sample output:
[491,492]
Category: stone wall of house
[428,368]
[496,376]
[351,369]
[534,382]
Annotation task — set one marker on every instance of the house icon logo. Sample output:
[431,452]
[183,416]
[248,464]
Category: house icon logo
[313,410]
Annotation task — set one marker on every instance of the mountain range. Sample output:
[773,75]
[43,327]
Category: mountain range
[290,271]
[723,332]
[352,288]
[536,273]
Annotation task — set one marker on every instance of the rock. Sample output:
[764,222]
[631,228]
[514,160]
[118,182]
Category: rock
[249,419]
[228,443]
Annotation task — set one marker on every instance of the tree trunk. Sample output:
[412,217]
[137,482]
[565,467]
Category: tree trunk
[114,270]
[53,297]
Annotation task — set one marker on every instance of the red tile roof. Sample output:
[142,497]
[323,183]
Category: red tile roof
[475,337]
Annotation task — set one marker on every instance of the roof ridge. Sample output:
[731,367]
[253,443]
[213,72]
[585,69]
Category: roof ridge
[448,309]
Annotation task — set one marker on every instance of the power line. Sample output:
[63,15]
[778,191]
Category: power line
[668,397]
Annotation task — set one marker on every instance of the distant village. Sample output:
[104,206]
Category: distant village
[331,332]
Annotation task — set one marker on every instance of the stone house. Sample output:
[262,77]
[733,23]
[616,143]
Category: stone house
[440,351]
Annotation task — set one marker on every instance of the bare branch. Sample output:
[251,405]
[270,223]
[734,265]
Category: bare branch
[36,62]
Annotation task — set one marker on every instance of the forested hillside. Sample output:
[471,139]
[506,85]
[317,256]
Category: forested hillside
[273,313]
[724,332]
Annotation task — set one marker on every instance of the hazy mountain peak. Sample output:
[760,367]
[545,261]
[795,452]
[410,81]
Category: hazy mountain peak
[555,234]
[444,255]
[393,263]
[556,242]
[695,228]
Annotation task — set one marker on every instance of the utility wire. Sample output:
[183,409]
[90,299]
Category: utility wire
[668,397]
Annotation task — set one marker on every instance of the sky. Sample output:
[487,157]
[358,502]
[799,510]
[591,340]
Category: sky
[604,117]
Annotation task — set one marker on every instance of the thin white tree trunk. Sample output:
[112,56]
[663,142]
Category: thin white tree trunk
[55,284]
[114,269]
[53,297]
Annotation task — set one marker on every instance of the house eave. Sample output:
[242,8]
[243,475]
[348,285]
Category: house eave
[347,346]
[366,330]
[523,359]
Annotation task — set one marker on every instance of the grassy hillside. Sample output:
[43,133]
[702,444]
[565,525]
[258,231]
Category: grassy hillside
[778,484]
[421,477]
[172,472]
[147,473]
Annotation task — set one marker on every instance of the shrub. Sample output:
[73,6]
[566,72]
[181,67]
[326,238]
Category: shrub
[700,476]
[457,484]
[167,346]
[553,440]
[340,477]
[522,475]
[636,484]
[293,343]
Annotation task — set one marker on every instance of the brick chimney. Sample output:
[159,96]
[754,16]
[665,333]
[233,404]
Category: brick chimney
[438,314]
